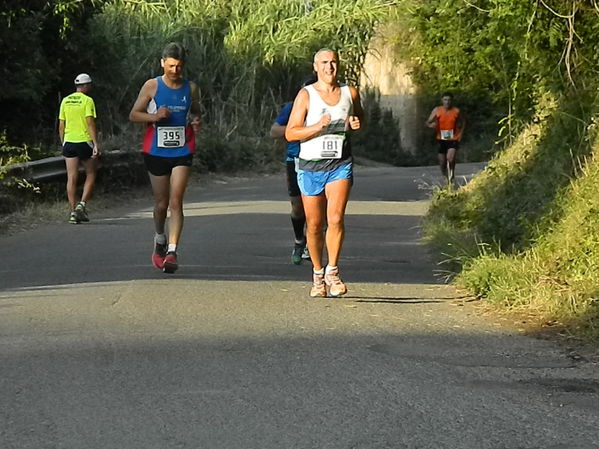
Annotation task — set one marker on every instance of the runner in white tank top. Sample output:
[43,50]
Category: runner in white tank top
[321,117]
[330,141]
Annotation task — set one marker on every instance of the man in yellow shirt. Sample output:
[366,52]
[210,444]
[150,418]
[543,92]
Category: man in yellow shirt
[77,131]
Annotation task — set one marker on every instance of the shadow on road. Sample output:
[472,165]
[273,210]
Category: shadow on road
[361,391]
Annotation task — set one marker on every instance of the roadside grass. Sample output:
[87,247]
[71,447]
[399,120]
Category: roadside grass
[32,213]
[523,234]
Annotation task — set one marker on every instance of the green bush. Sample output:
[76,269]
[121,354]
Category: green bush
[248,57]
[379,139]
[523,233]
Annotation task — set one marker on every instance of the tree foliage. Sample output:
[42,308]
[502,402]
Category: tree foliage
[240,52]
[39,51]
[247,56]
[502,52]
[523,232]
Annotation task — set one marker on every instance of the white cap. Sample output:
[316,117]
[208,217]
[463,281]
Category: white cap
[83,78]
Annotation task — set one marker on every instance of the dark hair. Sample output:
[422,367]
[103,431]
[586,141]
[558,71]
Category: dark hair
[174,50]
[447,94]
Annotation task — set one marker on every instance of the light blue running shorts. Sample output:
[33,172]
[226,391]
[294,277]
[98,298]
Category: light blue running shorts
[312,183]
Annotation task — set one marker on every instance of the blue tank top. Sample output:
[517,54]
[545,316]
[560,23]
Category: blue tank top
[293,148]
[173,136]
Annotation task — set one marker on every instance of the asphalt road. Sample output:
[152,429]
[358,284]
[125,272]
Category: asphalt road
[100,350]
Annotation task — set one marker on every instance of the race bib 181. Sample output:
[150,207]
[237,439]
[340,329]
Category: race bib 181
[329,146]
[171,136]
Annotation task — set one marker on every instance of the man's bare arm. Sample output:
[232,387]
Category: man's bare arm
[277,131]
[139,110]
[61,131]
[295,127]
[431,122]
[91,128]
[195,108]
[356,120]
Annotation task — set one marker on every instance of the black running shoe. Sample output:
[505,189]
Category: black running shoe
[297,253]
[81,212]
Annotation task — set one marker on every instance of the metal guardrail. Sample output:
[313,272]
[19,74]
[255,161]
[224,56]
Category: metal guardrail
[53,168]
[36,171]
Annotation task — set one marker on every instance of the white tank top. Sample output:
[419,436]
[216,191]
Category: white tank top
[328,143]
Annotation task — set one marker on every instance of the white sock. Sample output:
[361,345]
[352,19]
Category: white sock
[82,203]
[171,248]
[330,269]
[160,238]
[321,271]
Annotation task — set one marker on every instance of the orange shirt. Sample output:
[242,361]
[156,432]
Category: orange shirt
[446,123]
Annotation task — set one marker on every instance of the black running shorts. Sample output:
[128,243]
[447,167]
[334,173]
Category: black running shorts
[445,145]
[82,150]
[292,186]
[163,166]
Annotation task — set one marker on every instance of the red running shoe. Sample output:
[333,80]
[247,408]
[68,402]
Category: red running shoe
[158,255]
[170,262]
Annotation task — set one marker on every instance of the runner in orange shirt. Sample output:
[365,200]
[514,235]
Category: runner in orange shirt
[450,124]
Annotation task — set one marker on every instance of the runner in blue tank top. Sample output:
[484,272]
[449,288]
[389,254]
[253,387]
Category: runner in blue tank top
[170,106]
[171,136]
[298,219]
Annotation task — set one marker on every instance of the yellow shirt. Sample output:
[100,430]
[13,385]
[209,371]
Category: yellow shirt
[74,109]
